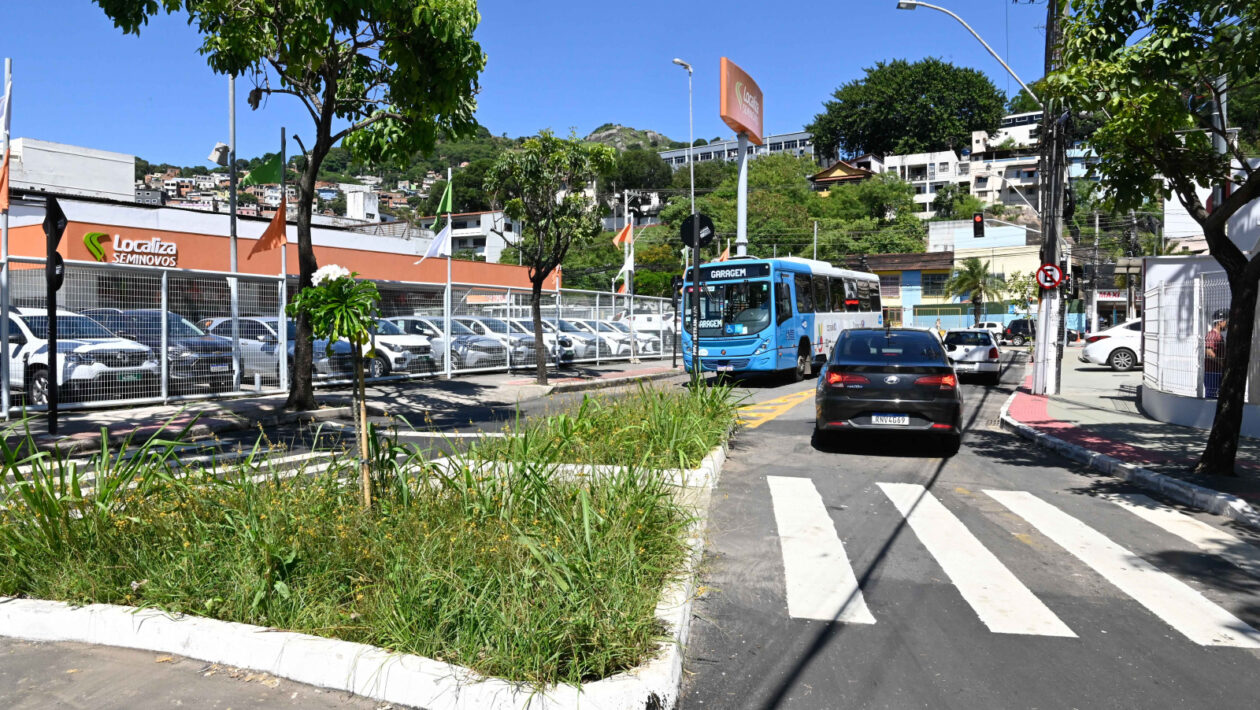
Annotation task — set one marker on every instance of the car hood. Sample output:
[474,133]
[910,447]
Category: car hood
[204,344]
[402,340]
[95,344]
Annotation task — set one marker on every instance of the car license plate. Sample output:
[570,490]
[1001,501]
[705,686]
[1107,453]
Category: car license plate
[724,368]
[130,376]
[893,419]
[965,366]
[220,368]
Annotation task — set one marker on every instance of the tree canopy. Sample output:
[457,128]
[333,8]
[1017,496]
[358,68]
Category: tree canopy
[901,107]
[640,170]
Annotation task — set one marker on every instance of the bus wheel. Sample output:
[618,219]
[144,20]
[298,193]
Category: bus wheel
[802,364]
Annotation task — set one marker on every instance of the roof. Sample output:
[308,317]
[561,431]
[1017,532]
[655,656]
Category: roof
[927,261]
[840,171]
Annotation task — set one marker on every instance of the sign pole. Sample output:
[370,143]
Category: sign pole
[4,248]
[54,226]
[741,196]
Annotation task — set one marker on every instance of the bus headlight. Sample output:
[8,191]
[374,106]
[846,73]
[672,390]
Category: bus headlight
[761,347]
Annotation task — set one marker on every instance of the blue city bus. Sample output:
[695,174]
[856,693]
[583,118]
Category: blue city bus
[775,315]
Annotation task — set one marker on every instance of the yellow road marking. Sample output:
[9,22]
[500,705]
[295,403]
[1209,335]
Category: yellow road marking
[754,415]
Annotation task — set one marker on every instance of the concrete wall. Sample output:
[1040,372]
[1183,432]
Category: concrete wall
[1192,411]
[72,170]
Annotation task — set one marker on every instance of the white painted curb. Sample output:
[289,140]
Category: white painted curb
[1226,504]
[373,672]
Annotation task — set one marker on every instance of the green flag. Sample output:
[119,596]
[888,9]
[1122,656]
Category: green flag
[265,174]
[445,204]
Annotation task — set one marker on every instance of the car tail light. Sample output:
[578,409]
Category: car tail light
[945,382]
[994,354]
[836,378]
[1096,338]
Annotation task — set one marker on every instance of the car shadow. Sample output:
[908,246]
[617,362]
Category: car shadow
[890,444]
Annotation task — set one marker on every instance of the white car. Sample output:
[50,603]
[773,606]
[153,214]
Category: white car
[397,351]
[612,342]
[993,327]
[648,343]
[974,351]
[94,362]
[1118,347]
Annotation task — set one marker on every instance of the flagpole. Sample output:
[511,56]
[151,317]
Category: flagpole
[234,307]
[282,322]
[448,305]
[4,246]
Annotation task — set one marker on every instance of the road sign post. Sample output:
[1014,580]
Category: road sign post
[697,231]
[54,273]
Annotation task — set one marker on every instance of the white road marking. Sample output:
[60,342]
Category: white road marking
[997,596]
[1165,596]
[819,579]
[1198,533]
[450,434]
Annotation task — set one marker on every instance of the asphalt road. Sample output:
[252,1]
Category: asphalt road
[875,574]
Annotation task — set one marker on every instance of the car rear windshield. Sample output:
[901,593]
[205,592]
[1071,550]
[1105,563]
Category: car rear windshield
[888,347]
[967,339]
[68,327]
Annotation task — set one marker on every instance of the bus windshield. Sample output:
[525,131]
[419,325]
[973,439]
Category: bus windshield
[734,309]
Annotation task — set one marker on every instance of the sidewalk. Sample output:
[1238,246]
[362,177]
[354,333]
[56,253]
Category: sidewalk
[1098,419]
[79,431]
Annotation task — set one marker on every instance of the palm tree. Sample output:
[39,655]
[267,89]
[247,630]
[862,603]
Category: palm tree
[974,278]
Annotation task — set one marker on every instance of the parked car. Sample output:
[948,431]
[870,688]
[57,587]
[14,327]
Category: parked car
[260,342]
[974,351]
[649,321]
[1119,347]
[560,347]
[585,344]
[894,379]
[193,357]
[1020,331]
[468,349]
[649,343]
[994,327]
[94,363]
[612,342]
[498,329]
[394,350]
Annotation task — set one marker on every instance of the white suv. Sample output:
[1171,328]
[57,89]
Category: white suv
[94,363]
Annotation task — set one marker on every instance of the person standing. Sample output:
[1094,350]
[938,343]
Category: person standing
[1214,354]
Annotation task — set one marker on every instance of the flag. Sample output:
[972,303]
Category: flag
[441,244]
[445,204]
[622,287]
[623,237]
[267,173]
[726,255]
[4,169]
[274,236]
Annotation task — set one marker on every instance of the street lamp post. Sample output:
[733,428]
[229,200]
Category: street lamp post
[694,255]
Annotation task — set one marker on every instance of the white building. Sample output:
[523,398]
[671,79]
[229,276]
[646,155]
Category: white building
[928,173]
[362,202]
[800,143]
[71,170]
[480,232]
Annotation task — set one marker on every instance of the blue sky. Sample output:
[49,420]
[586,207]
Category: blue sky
[556,64]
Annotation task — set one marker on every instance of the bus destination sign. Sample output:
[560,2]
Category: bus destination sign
[729,271]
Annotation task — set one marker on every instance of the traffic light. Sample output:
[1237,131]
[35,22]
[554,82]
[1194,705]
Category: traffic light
[977,225]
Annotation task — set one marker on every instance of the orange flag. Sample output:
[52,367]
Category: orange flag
[622,287]
[623,237]
[274,236]
[4,183]
[726,255]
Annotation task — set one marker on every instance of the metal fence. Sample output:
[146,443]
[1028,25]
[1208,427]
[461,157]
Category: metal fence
[140,334]
[1176,321]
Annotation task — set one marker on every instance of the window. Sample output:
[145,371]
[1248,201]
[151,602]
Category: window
[782,301]
[850,295]
[821,299]
[942,168]
[934,284]
[890,285]
[1136,325]
[875,302]
[776,146]
[837,295]
[804,295]
[864,295]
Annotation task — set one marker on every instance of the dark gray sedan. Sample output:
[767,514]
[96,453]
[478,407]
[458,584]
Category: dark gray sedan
[894,379]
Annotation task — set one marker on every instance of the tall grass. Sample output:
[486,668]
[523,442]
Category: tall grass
[514,573]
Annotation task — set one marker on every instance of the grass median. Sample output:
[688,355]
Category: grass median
[516,574]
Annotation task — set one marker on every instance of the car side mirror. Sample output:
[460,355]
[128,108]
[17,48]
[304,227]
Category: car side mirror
[266,338]
[949,347]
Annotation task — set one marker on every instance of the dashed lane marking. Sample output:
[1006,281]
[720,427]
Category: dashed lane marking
[754,415]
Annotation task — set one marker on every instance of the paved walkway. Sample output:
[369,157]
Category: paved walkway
[1098,409]
[80,430]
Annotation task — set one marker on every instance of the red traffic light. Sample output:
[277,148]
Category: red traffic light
[977,218]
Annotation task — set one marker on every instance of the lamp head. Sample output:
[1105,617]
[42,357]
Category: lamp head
[906,4]
[682,64]
[219,156]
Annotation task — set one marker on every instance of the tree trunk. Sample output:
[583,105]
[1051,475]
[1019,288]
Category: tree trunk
[540,346]
[1222,445]
[977,306]
[360,420]
[302,391]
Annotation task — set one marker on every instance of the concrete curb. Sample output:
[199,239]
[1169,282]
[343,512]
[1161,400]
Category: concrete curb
[1191,494]
[604,383]
[373,672]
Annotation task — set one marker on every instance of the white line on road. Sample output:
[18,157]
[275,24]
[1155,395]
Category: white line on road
[1200,534]
[450,434]
[1165,596]
[1001,601]
[819,579]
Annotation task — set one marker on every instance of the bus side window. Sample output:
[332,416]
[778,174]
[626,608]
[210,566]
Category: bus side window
[850,295]
[820,295]
[782,302]
[864,295]
[804,294]
[876,306]
[837,295]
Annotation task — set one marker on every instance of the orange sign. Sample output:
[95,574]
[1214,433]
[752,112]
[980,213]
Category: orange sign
[741,101]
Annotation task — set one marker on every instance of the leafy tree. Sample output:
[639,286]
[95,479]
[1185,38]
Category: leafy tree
[640,170]
[975,279]
[244,198]
[953,201]
[468,193]
[699,142]
[142,168]
[709,175]
[1023,102]
[900,107]
[390,73]
[338,204]
[540,186]
[1153,67]
[1022,288]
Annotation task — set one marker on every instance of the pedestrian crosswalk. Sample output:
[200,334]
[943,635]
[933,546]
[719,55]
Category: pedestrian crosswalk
[821,584]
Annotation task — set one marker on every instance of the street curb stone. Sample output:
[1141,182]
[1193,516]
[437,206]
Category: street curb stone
[372,672]
[605,383]
[1185,492]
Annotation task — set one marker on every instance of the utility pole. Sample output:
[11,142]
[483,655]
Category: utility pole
[1050,320]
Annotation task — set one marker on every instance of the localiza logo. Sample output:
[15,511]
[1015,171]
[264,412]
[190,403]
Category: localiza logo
[747,99]
[92,240]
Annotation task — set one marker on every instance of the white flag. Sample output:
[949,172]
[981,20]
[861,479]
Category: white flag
[4,106]
[441,244]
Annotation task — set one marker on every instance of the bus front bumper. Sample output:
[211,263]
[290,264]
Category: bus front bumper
[732,363]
